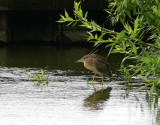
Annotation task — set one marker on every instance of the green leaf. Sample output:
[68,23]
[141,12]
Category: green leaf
[129,14]
[128,28]
[134,49]
[110,49]
[152,89]
[63,18]
[76,5]
[146,80]
[144,52]
[158,42]
[142,87]
[66,14]
[121,35]
[138,2]
[96,43]
[74,24]
[42,71]
[91,35]
[136,23]
[124,59]
[123,45]
[108,11]
[86,14]
[141,34]
[158,61]
[108,45]
[113,21]
[96,36]
[122,20]
[27,74]
[60,21]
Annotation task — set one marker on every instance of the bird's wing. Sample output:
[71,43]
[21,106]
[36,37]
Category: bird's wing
[103,67]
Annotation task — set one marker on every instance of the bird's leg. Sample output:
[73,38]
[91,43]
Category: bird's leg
[93,77]
[94,88]
[102,81]
[92,82]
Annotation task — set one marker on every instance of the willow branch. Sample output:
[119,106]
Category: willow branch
[97,26]
[112,31]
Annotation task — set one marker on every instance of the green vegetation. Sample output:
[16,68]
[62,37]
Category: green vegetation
[138,40]
[40,78]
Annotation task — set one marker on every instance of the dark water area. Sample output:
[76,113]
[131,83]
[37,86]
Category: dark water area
[67,99]
[51,57]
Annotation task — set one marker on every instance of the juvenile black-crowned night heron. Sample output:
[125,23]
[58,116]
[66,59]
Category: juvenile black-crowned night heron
[97,64]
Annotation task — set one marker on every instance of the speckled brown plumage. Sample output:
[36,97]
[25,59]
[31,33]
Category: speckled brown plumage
[97,64]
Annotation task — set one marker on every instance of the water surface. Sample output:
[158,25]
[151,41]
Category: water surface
[68,100]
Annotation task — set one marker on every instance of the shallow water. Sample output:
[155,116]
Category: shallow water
[67,99]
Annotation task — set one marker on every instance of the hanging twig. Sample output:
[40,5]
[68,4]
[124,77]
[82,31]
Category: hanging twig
[113,32]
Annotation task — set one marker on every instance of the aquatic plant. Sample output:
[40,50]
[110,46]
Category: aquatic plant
[138,40]
[41,78]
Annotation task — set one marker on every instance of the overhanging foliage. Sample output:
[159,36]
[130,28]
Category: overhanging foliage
[139,39]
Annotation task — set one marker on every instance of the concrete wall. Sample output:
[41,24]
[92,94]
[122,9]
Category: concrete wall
[35,20]
[41,27]
[31,26]
[49,4]
[3,27]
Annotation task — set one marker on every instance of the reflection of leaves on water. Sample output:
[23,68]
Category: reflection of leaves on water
[97,99]
[158,117]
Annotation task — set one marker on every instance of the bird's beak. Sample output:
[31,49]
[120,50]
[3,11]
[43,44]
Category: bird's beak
[79,61]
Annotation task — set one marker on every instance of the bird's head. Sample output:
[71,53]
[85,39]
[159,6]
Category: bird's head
[80,60]
[83,59]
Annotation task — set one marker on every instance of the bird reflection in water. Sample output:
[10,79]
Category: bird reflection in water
[97,99]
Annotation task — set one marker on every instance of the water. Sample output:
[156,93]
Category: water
[68,100]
